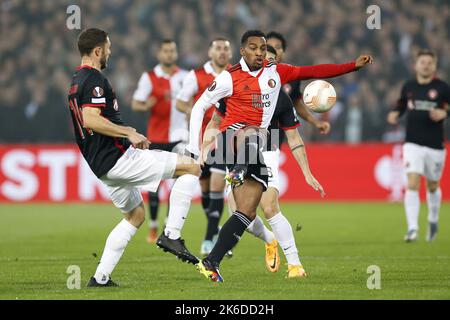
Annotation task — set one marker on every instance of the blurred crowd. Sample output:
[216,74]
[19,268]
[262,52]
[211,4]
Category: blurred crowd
[38,53]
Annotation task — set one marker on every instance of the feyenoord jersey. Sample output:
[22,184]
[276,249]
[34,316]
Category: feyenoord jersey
[194,84]
[166,124]
[416,101]
[90,88]
[284,117]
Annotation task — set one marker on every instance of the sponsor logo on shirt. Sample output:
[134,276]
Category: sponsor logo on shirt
[260,101]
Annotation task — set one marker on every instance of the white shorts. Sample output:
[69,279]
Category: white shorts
[424,160]
[272,161]
[138,169]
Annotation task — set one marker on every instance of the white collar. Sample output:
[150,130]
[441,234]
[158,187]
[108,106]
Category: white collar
[160,72]
[245,68]
[209,68]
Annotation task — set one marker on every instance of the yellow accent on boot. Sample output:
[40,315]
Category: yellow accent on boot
[296,271]
[272,256]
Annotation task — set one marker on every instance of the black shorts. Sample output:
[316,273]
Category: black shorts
[212,166]
[226,153]
[169,147]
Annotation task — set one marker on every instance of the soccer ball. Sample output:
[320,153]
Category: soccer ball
[319,96]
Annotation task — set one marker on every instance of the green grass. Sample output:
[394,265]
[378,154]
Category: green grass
[337,242]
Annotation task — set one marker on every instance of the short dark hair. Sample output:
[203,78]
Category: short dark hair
[251,33]
[279,36]
[91,38]
[426,52]
[165,41]
[217,39]
[271,50]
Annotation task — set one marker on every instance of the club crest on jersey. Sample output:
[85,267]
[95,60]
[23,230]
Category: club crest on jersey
[115,105]
[212,86]
[432,94]
[97,92]
[272,83]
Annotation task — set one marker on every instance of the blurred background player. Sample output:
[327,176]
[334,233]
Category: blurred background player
[425,100]
[212,180]
[167,127]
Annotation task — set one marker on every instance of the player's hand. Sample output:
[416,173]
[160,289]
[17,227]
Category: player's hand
[363,60]
[323,126]
[138,140]
[150,102]
[202,157]
[315,184]
[438,114]
[392,117]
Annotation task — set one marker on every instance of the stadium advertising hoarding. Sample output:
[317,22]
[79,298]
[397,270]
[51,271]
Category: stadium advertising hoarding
[58,173]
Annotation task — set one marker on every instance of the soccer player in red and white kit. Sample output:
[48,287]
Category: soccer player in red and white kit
[425,100]
[167,127]
[250,90]
[120,158]
[212,180]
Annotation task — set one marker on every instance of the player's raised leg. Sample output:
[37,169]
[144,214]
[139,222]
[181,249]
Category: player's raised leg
[181,195]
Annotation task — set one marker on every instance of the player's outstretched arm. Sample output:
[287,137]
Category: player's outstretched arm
[94,121]
[290,73]
[298,150]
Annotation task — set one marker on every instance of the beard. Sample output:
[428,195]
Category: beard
[103,62]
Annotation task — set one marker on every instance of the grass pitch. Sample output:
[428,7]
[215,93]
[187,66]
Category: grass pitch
[337,243]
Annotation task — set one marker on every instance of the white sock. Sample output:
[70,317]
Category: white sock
[434,204]
[259,230]
[114,248]
[153,224]
[180,202]
[412,208]
[283,233]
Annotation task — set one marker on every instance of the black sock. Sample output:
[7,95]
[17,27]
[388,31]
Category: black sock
[214,214]
[205,202]
[153,203]
[229,236]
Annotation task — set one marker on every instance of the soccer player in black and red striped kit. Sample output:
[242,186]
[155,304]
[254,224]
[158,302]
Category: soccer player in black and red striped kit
[425,100]
[120,158]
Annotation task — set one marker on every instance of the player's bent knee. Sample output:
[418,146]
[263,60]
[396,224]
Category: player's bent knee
[136,216]
[270,210]
[432,186]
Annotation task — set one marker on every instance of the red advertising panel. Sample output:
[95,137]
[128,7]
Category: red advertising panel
[58,173]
